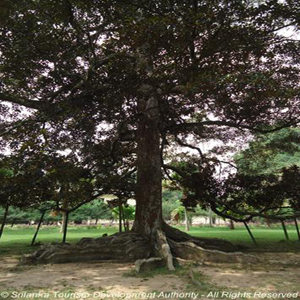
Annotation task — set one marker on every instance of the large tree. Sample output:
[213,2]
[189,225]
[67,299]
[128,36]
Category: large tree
[142,75]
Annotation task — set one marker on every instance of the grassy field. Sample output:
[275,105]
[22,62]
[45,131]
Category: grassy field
[262,234]
[17,240]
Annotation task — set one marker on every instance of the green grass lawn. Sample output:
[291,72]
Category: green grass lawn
[272,239]
[17,240]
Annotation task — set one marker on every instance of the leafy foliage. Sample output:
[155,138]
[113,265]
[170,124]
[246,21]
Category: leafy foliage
[268,154]
[170,201]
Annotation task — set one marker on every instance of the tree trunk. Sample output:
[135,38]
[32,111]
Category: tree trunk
[285,231]
[38,227]
[231,224]
[63,222]
[4,220]
[187,224]
[250,233]
[124,222]
[148,216]
[148,221]
[13,223]
[65,226]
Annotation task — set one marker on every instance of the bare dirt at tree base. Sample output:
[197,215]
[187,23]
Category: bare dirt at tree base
[107,278]
[279,274]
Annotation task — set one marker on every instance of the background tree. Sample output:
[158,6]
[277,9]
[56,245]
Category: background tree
[127,214]
[5,196]
[170,201]
[278,154]
[94,210]
[270,153]
[22,186]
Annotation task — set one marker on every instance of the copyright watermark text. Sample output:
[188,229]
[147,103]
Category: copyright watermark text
[146,295]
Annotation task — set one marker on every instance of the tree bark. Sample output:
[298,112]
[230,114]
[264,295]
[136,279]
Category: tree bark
[148,221]
[4,220]
[250,233]
[231,224]
[187,224]
[285,231]
[38,228]
[63,222]
[65,227]
[148,216]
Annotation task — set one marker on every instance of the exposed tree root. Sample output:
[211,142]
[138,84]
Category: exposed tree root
[121,247]
[143,265]
[177,235]
[166,245]
[163,250]
[190,251]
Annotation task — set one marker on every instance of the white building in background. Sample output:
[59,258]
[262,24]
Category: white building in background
[205,221]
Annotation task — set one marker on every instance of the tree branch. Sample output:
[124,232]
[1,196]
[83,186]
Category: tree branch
[181,143]
[24,102]
[250,215]
[195,125]
[178,171]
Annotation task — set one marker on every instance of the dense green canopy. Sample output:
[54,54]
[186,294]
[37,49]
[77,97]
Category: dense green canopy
[270,153]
